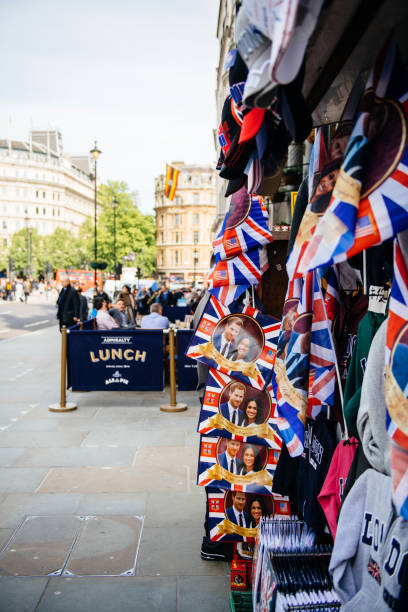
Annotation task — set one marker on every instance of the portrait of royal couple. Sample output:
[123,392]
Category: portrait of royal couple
[237,514]
[239,412]
[249,462]
[233,343]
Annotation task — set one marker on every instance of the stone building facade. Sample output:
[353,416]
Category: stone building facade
[183,226]
[42,187]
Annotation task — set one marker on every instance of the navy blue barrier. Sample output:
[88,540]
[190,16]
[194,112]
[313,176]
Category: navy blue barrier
[186,367]
[115,360]
[89,324]
[174,313]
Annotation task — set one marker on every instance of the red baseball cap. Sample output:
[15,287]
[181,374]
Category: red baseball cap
[251,124]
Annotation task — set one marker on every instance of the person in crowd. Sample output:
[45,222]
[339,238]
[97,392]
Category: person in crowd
[229,459]
[250,461]
[26,289]
[253,413]
[236,513]
[68,304]
[120,314]
[83,304]
[129,303]
[163,295]
[8,289]
[102,294]
[103,318]
[242,352]
[224,343]
[231,409]
[256,510]
[155,319]
[142,298]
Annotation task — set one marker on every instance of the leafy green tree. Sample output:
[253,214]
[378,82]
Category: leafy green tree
[60,249]
[19,250]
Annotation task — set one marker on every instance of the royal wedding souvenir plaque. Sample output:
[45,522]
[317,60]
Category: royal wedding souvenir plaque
[234,465]
[240,344]
[234,515]
[232,409]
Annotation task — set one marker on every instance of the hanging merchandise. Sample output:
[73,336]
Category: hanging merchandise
[325,163]
[241,343]
[245,226]
[370,200]
[240,272]
[230,464]
[304,369]
[396,387]
[232,409]
[234,516]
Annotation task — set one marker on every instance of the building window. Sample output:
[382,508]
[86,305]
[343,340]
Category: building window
[37,210]
[4,225]
[59,212]
[37,194]
[162,258]
[196,198]
[43,194]
[195,237]
[195,179]
[53,212]
[196,218]
[178,200]
[44,211]
[176,257]
[177,237]
[177,219]
[161,219]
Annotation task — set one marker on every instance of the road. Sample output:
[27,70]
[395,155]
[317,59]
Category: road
[17,318]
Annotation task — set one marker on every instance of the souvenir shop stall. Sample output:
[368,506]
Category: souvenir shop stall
[304,420]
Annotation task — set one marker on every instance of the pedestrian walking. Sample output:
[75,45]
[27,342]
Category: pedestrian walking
[68,304]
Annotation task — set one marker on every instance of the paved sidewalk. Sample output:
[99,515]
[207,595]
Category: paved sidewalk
[116,456]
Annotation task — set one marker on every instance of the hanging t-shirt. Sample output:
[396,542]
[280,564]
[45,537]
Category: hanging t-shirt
[331,495]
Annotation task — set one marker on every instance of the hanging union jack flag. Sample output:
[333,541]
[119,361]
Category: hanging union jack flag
[303,377]
[245,269]
[396,380]
[245,226]
[239,343]
[229,294]
[370,199]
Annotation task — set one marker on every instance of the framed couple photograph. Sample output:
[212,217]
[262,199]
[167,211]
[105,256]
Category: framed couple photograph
[234,515]
[233,409]
[234,465]
[240,344]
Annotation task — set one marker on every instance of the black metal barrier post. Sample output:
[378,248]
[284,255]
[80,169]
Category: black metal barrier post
[173,406]
[63,406]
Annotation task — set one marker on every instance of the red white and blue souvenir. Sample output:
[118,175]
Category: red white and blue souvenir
[236,466]
[232,409]
[227,512]
[245,269]
[239,343]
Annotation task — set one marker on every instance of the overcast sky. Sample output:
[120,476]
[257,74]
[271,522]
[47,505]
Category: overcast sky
[138,76]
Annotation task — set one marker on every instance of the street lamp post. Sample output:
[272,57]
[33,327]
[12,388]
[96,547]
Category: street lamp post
[195,265]
[29,246]
[114,206]
[95,152]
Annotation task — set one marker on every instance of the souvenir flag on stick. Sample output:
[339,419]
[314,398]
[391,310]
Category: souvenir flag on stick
[245,226]
[172,175]
[370,199]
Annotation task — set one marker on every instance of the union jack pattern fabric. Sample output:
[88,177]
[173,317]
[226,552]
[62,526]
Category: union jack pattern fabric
[258,330]
[220,527]
[245,269]
[245,226]
[229,294]
[396,380]
[211,470]
[370,199]
[214,420]
[303,377]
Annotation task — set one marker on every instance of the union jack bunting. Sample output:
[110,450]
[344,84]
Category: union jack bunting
[396,379]
[369,203]
[229,294]
[214,466]
[303,377]
[259,427]
[245,226]
[224,519]
[240,343]
[245,269]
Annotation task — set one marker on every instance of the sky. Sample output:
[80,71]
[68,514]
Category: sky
[137,76]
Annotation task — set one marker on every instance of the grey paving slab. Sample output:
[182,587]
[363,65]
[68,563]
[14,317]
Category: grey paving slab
[31,424]
[21,480]
[107,545]
[38,439]
[171,510]
[192,439]
[11,409]
[110,594]
[76,457]
[175,552]
[114,480]
[9,456]
[158,456]
[203,593]
[109,503]
[134,438]
[43,412]
[15,506]
[19,594]
[40,546]
[5,535]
